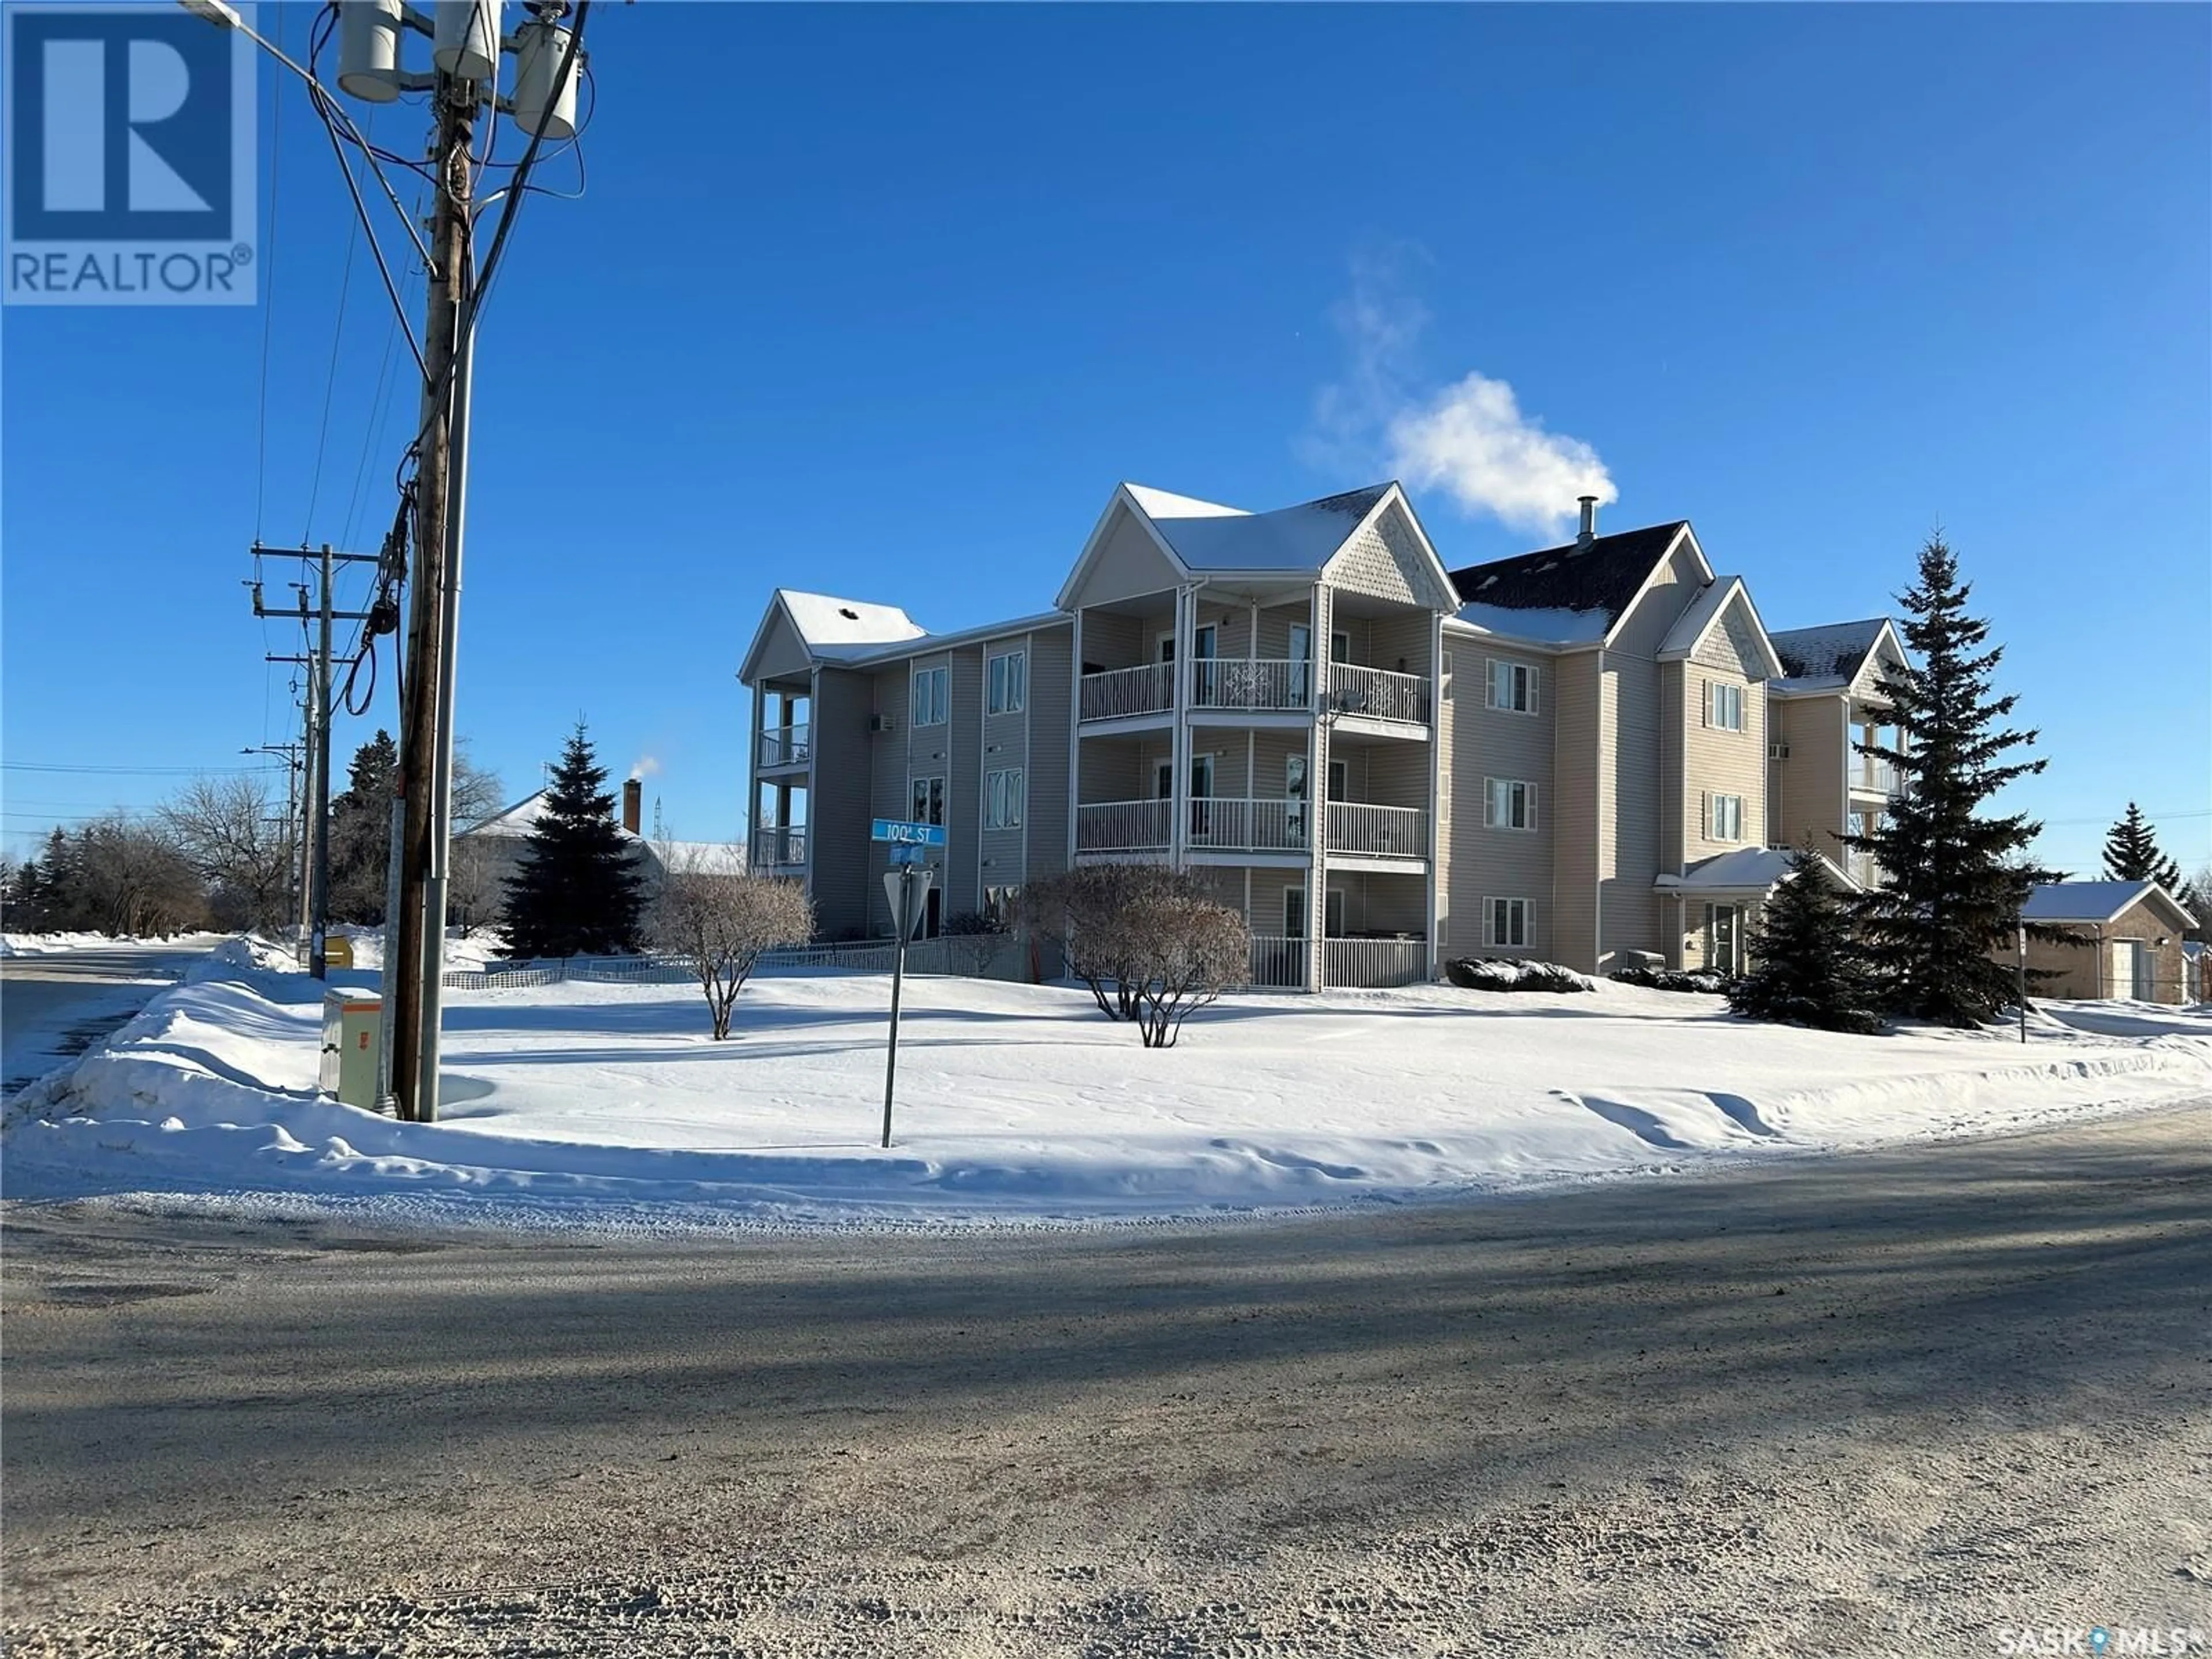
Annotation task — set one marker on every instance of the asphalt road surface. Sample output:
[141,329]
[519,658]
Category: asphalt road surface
[1900,1403]
[53,1007]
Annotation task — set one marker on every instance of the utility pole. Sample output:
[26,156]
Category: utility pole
[312,870]
[414,968]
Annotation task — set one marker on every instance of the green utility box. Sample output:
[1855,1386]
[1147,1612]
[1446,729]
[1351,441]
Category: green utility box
[353,1026]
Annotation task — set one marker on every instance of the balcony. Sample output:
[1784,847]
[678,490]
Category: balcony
[1273,685]
[778,849]
[783,745]
[1378,694]
[1877,777]
[1119,693]
[1224,824]
[1373,964]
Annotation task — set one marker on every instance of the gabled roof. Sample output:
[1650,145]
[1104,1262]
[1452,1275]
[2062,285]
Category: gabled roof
[1204,539]
[1704,615]
[2095,900]
[828,629]
[1746,870]
[516,820]
[1604,576]
[1831,656]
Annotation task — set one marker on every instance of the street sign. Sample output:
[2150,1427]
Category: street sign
[911,835]
[908,887]
[908,852]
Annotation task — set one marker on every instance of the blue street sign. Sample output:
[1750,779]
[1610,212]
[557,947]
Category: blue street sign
[908,835]
[908,853]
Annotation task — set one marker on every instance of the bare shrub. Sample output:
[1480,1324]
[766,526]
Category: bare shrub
[722,921]
[1153,944]
[973,941]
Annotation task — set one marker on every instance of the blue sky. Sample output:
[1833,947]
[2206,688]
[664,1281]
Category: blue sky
[882,303]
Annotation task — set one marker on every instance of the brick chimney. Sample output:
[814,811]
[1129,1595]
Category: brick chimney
[1589,533]
[633,803]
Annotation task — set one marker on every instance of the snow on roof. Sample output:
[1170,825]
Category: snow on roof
[516,820]
[2082,901]
[1746,870]
[1835,651]
[1605,574]
[828,625]
[1206,536]
[1544,626]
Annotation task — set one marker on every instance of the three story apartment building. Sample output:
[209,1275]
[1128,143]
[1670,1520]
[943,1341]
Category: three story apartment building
[1377,761]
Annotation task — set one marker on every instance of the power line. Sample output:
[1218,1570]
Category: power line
[330,378]
[134,771]
[268,303]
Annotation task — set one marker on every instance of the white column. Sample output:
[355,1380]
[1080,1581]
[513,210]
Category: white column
[1074,732]
[1179,729]
[1317,794]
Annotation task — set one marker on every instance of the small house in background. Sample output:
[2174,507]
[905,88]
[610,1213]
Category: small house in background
[485,855]
[2127,941]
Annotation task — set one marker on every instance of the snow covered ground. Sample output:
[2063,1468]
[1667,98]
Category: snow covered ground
[607,1105]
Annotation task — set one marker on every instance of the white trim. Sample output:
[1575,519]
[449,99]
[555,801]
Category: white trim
[1009,653]
[1490,903]
[1491,665]
[1499,791]
[1065,600]
[1730,593]
[1651,576]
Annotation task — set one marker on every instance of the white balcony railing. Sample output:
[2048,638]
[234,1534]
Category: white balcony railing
[1278,964]
[1373,964]
[1245,683]
[1123,826]
[1398,832]
[1378,694]
[784,746]
[1877,776]
[1117,693]
[1249,826]
[778,849]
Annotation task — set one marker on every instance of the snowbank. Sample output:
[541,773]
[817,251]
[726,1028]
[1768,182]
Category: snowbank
[605,1104]
[45,944]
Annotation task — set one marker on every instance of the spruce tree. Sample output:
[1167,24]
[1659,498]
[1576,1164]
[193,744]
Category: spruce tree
[577,891]
[361,833]
[1805,969]
[2132,853]
[1955,880]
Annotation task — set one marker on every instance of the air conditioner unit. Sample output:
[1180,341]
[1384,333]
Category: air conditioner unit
[880,723]
[1777,751]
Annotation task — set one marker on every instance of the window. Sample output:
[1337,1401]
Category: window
[1724,705]
[929,801]
[1509,804]
[1004,794]
[1294,913]
[1513,686]
[1724,818]
[930,687]
[1008,675]
[999,904]
[1505,921]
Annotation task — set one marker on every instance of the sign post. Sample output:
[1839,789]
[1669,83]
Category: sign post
[905,885]
[2022,969]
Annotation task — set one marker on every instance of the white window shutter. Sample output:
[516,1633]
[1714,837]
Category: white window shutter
[1532,806]
[1532,689]
[1705,808]
[1705,703]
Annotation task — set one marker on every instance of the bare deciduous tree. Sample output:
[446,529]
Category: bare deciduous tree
[1157,938]
[722,922]
[235,838]
[137,880]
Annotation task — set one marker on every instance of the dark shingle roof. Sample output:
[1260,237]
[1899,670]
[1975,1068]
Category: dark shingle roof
[1603,576]
[1836,650]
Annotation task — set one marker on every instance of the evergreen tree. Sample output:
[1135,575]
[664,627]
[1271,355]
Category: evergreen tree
[1956,879]
[2132,853]
[1805,968]
[576,890]
[361,833]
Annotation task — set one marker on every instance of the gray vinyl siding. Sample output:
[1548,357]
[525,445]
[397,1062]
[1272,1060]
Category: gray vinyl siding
[1006,746]
[1128,563]
[839,804]
[1111,640]
[1402,638]
[1480,862]
[1046,846]
[1576,834]
[1113,770]
[964,811]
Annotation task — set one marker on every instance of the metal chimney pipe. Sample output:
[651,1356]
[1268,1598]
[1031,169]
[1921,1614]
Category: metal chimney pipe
[1589,533]
[633,804]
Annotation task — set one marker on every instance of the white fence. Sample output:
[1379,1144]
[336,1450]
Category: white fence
[1877,775]
[783,745]
[1373,964]
[1279,964]
[1378,694]
[1116,693]
[978,954]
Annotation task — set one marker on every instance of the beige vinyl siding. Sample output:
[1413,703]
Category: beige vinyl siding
[1275,624]
[1476,860]
[1045,849]
[1576,837]
[1373,902]
[1628,905]
[1643,629]
[1400,642]
[838,807]
[1717,761]
[1397,774]
[1129,562]
[1809,798]
[1114,768]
